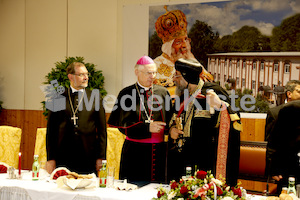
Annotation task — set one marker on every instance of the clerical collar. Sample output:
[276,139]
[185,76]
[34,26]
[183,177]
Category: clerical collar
[74,90]
[145,88]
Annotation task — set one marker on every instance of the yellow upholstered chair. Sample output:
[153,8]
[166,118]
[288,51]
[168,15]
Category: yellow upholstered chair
[10,140]
[115,140]
[40,145]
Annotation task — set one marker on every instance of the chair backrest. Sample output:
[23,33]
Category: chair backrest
[252,160]
[115,140]
[10,140]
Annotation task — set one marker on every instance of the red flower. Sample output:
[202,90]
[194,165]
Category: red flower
[174,185]
[160,194]
[219,191]
[184,190]
[237,191]
[201,174]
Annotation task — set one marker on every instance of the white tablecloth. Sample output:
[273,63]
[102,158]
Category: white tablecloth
[26,189]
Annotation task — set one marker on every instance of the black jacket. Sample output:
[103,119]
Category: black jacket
[77,148]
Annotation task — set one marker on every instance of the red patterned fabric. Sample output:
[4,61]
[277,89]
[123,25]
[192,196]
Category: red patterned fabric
[223,143]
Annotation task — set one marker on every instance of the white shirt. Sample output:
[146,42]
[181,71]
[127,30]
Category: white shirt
[145,88]
[74,90]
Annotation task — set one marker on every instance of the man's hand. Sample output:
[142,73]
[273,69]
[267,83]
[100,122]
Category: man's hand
[174,133]
[213,100]
[50,166]
[155,127]
[98,164]
[277,178]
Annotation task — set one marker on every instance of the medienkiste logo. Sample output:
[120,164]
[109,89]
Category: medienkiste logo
[55,101]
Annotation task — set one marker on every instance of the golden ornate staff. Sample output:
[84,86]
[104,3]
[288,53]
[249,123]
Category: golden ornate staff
[179,126]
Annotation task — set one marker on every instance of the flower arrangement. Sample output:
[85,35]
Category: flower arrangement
[201,186]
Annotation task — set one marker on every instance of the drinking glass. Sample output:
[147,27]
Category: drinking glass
[110,177]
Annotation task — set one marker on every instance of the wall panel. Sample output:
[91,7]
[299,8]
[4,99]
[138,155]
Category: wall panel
[12,53]
[46,43]
[28,121]
[92,33]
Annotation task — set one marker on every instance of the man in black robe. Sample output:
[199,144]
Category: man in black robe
[141,112]
[195,129]
[76,136]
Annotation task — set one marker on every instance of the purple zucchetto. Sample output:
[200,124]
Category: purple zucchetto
[145,60]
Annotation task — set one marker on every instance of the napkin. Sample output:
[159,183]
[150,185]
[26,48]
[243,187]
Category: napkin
[125,186]
[76,183]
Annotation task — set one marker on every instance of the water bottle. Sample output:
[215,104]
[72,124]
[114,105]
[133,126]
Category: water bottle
[103,175]
[35,168]
[188,172]
[291,187]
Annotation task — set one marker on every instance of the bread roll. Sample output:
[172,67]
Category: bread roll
[285,197]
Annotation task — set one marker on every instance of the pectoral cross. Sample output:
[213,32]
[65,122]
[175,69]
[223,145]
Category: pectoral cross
[148,121]
[74,118]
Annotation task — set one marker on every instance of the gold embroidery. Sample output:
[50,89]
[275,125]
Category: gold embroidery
[202,113]
[190,110]
[218,121]
[171,25]
[165,70]
[237,126]
[172,120]
[234,117]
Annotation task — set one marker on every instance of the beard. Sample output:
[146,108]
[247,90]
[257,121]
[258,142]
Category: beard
[184,52]
[180,87]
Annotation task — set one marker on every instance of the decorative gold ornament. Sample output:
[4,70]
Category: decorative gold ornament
[171,25]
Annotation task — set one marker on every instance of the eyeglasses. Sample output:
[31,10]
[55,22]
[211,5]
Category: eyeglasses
[83,75]
[150,73]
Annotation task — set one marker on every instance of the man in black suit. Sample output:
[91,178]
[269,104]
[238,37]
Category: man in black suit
[76,136]
[292,91]
[286,142]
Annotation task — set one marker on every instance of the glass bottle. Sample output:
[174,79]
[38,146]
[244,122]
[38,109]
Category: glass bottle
[103,175]
[35,168]
[188,172]
[291,187]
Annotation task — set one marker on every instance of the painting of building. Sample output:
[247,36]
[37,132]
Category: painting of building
[254,70]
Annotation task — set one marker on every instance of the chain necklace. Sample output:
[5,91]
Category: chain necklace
[148,120]
[71,104]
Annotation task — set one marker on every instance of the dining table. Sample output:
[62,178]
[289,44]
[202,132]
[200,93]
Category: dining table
[45,189]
